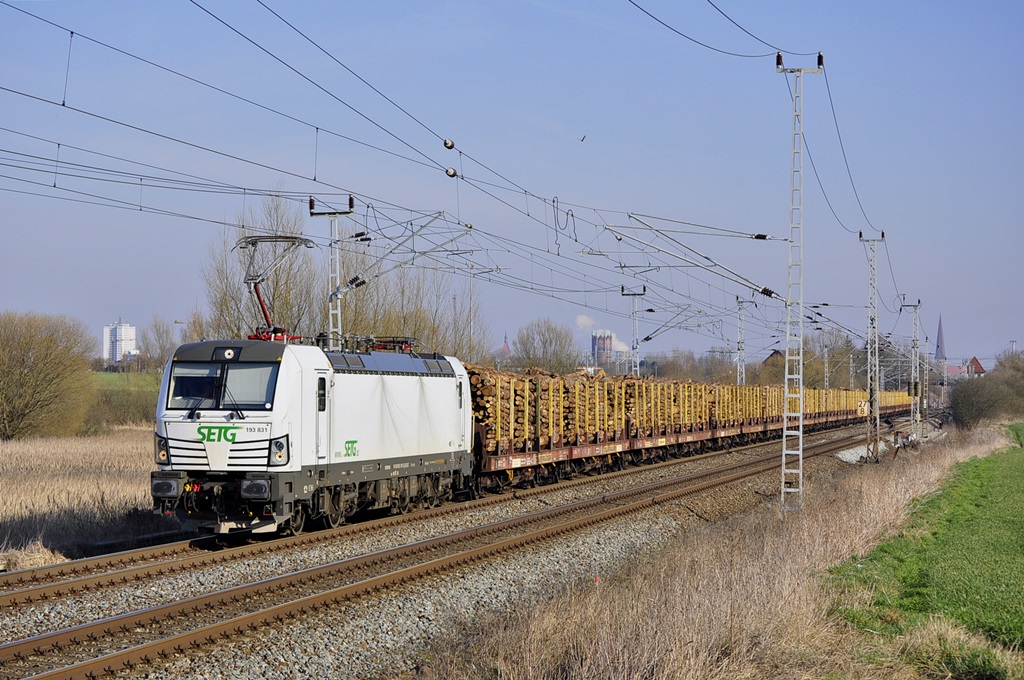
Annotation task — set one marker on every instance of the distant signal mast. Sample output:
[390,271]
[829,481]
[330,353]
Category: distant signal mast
[792,495]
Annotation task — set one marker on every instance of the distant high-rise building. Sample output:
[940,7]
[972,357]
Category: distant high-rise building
[601,347]
[118,341]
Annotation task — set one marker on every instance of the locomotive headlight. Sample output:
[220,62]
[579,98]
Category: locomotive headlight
[279,454]
[164,488]
[160,454]
[256,489]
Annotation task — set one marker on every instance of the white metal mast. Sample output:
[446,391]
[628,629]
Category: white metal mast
[635,354]
[874,419]
[792,495]
[741,344]
[826,367]
[914,388]
[334,309]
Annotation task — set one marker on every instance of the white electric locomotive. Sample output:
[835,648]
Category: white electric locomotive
[265,436]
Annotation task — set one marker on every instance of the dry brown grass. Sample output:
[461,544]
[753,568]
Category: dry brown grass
[741,598]
[61,493]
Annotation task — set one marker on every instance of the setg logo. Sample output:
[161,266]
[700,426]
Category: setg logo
[218,433]
[351,448]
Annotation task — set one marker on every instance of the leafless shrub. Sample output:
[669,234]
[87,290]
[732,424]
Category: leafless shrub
[44,374]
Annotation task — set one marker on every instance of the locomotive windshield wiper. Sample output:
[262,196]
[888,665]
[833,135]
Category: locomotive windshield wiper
[235,408]
[195,408]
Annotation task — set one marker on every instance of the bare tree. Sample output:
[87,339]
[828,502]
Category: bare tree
[422,303]
[45,386]
[546,345]
[773,369]
[195,326]
[837,347]
[157,342]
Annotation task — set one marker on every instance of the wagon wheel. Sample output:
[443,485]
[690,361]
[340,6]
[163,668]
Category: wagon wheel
[334,513]
[400,503]
[430,499]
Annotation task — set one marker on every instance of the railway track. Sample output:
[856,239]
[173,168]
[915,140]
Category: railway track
[138,565]
[166,631]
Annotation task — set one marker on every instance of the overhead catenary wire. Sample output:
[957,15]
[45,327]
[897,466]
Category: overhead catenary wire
[766,44]
[220,90]
[842,147]
[473,182]
[804,140]
[219,187]
[318,86]
[559,224]
[698,42]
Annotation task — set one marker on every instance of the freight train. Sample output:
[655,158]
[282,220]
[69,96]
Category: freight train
[264,436]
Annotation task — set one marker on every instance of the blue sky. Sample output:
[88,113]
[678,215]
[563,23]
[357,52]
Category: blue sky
[594,104]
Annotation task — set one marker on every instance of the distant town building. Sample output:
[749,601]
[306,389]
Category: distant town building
[601,347]
[119,342]
[969,369]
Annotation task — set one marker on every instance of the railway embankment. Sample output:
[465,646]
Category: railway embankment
[900,570]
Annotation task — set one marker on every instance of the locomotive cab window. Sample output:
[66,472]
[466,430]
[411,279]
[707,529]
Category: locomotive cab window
[222,386]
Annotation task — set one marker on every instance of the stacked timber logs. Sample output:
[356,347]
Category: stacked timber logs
[531,410]
[536,409]
[513,409]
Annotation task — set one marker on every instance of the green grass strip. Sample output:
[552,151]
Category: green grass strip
[961,556]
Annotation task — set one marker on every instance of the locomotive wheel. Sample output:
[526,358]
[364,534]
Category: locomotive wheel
[334,515]
[297,522]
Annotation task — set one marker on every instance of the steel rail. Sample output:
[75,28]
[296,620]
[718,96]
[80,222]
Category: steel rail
[26,649]
[37,584]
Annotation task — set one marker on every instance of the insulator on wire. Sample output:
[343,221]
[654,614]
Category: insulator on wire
[778,60]
[451,172]
[449,144]
[821,60]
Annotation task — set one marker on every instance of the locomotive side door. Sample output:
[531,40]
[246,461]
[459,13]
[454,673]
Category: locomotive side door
[323,417]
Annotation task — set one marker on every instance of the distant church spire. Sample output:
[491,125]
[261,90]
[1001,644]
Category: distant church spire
[940,345]
[506,351]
